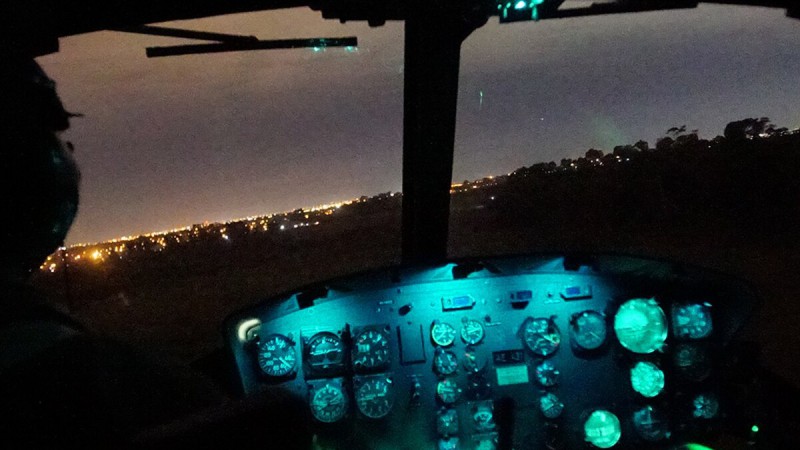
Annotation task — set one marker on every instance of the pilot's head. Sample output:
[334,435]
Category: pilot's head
[38,175]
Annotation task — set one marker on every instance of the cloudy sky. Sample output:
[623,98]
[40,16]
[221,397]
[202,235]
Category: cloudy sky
[167,142]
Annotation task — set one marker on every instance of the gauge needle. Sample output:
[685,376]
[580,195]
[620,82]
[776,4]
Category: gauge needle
[283,361]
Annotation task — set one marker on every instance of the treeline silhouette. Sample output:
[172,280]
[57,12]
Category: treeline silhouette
[729,202]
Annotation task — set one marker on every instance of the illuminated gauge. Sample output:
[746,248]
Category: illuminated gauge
[472,331]
[647,379]
[641,326]
[691,321]
[650,424]
[276,355]
[547,374]
[445,362]
[329,403]
[447,423]
[691,362]
[483,417]
[374,398]
[443,334]
[705,406]
[473,361]
[478,387]
[325,351]
[448,444]
[588,330]
[448,391]
[551,406]
[486,444]
[370,350]
[602,429]
[541,336]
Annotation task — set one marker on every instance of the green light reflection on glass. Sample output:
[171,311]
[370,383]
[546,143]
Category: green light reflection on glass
[647,379]
[641,325]
[602,429]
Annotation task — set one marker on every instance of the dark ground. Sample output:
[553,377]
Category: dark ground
[735,209]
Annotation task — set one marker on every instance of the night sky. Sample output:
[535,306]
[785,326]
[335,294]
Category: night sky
[169,142]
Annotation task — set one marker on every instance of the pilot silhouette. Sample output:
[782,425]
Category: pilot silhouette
[60,385]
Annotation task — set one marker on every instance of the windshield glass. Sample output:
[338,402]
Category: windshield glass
[213,181]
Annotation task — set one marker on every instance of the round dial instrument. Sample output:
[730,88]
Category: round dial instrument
[448,391]
[483,416]
[374,398]
[602,429]
[650,424]
[472,331]
[641,326]
[276,355]
[551,406]
[691,321]
[443,334]
[587,330]
[547,374]
[541,336]
[329,403]
[647,379]
[705,406]
[691,361]
[325,351]
[474,362]
[445,362]
[370,350]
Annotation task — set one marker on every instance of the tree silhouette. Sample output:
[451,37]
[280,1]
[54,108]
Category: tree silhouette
[748,128]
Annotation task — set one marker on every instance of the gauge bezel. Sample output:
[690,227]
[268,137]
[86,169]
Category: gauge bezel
[360,382]
[447,343]
[452,358]
[465,337]
[575,332]
[356,354]
[260,343]
[551,328]
[334,367]
[333,383]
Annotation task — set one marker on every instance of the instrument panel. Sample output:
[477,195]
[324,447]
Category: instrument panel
[523,353]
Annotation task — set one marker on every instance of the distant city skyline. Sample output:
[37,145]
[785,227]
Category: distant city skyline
[171,142]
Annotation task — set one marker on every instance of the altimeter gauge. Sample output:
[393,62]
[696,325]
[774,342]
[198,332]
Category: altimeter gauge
[472,331]
[587,330]
[375,397]
[443,334]
[370,350]
[541,336]
[329,403]
[276,355]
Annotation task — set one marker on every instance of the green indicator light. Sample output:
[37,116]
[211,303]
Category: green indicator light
[641,325]
[602,429]
[754,428]
[647,379]
[696,447]
[520,5]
